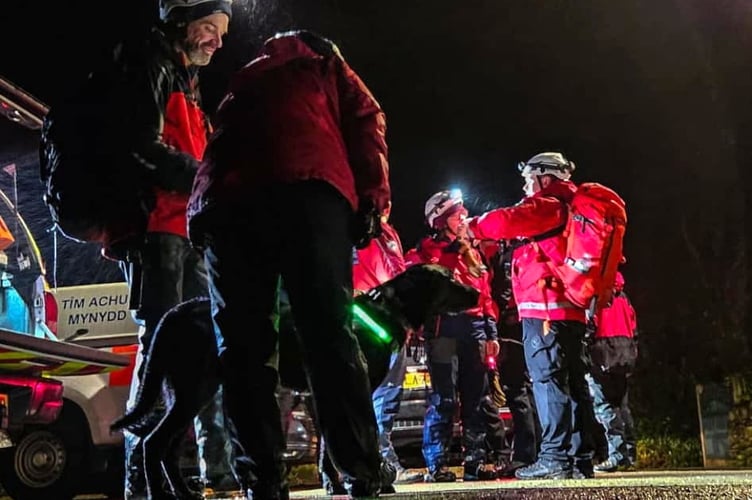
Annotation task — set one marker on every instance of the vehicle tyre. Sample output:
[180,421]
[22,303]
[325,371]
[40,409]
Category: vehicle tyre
[50,461]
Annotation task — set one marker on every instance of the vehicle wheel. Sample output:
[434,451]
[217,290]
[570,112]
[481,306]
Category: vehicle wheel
[50,461]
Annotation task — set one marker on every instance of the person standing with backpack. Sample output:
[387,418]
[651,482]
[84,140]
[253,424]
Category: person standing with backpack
[614,354]
[118,157]
[553,328]
[168,136]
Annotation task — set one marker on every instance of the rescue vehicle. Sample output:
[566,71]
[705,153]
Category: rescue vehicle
[66,361]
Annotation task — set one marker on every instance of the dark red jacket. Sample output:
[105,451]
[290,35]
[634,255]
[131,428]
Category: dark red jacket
[380,261]
[292,114]
[537,292]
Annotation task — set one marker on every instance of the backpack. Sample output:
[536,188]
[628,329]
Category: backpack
[594,233]
[86,171]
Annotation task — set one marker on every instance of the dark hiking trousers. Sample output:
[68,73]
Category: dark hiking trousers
[520,401]
[172,271]
[299,233]
[557,362]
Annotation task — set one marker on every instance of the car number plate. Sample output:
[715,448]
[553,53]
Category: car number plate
[416,380]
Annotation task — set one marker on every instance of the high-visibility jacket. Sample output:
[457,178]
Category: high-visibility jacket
[536,290]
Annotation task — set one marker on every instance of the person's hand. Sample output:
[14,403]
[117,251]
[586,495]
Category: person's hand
[492,348]
[366,225]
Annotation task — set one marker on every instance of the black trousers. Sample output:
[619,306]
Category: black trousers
[520,401]
[300,234]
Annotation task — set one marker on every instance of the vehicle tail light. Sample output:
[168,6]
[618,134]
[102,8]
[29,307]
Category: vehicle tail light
[46,397]
[50,311]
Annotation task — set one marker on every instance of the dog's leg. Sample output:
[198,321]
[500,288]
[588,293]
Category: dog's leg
[162,453]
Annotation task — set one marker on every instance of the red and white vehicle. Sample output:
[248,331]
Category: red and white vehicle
[66,361]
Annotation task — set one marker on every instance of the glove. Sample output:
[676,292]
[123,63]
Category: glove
[366,225]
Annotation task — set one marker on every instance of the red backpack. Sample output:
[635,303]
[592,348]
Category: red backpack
[595,233]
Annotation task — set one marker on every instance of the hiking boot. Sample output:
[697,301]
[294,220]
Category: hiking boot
[509,469]
[583,469]
[544,469]
[480,472]
[359,488]
[404,476]
[441,475]
[611,464]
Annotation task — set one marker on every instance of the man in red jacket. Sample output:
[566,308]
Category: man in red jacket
[165,131]
[553,328]
[614,354]
[457,345]
[299,159]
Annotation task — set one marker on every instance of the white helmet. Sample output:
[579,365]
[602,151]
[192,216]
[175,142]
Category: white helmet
[547,164]
[438,204]
[185,11]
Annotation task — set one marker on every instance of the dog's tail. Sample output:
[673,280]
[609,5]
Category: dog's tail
[140,419]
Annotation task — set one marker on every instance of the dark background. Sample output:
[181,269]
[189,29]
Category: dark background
[650,97]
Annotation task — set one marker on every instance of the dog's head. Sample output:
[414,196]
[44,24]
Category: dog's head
[384,315]
[421,292]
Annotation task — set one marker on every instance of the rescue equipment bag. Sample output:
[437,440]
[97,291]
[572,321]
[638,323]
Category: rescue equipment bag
[594,234]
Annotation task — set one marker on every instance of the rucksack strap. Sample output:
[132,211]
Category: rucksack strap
[539,237]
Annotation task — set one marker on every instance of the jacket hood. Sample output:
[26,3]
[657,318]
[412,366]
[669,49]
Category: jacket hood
[275,52]
[563,190]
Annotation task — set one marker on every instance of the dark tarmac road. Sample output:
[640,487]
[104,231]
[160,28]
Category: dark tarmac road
[690,484]
[643,485]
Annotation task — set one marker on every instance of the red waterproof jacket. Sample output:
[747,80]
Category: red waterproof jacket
[380,261]
[292,114]
[537,292]
[617,320]
[444,252]
[186,129]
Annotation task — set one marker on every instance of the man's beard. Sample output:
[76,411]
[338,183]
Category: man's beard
[195,54]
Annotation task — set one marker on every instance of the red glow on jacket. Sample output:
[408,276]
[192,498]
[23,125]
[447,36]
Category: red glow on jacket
[380,261]
[537,293]
[185,129]
[617,320]
[437,251]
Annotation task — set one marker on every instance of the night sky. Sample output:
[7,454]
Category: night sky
[650,97]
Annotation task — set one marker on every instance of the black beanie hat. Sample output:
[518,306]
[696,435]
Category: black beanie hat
[185,11]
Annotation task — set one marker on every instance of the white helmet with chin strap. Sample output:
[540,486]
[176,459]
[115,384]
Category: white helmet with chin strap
[548,164]
[438,204]
[554,164]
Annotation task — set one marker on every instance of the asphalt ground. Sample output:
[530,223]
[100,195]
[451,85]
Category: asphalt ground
[685,484]
[669,485]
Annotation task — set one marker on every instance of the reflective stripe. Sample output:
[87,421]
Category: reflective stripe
[68,368]
[543,306]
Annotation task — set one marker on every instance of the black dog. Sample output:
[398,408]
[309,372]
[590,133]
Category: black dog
[182,364]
